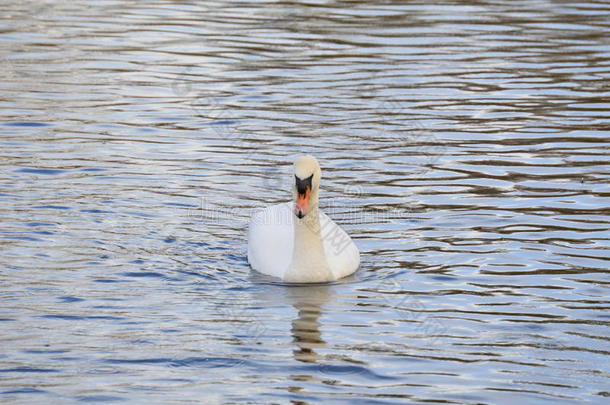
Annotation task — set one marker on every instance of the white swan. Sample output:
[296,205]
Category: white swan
[297,242]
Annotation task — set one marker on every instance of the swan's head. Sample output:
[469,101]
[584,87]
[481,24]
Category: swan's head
[307,176]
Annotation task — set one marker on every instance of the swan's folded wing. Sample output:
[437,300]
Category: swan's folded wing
[271,239]
[342,255]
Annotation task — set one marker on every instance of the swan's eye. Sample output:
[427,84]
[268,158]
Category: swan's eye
[303,185]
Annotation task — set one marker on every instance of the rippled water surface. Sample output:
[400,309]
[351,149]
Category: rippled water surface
[464,145]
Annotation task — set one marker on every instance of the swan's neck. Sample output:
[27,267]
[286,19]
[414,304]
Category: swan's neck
[308,257]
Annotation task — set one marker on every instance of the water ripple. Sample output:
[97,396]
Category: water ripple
[464,146]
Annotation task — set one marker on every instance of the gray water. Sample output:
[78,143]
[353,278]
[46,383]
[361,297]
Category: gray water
[464,146]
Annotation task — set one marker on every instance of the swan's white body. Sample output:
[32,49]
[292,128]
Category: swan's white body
[308,249]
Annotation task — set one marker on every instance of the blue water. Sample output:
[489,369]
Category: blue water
[464,146]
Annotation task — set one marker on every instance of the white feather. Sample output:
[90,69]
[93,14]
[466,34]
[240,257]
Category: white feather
[311,249]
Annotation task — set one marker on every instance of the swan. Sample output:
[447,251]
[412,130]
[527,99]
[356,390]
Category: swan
[297,242]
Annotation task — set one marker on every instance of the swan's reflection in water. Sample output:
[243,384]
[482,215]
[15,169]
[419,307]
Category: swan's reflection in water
[318,358]
[308,301]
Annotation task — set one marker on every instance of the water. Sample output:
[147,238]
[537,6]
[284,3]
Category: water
[464,147]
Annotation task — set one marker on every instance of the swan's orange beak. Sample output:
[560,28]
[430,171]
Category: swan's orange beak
[302,203]
[303,189]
